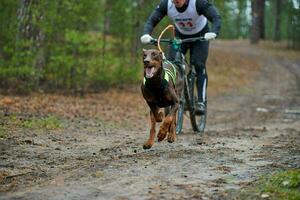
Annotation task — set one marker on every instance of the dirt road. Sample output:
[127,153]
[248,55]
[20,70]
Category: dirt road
[252,130]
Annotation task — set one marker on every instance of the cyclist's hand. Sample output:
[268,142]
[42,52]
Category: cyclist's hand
[146,39]
[210,36]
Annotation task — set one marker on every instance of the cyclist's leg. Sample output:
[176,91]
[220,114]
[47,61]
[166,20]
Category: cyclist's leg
[199,54]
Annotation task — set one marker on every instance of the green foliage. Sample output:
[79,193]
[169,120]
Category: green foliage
[82,45]
[283,185]
[78,64]
[15,121]
[8,10]
[74,55]
[17,79]
[50,123]
[235,18]
[2,133]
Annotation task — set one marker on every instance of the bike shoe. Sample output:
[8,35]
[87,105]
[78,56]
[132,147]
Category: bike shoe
[200,108]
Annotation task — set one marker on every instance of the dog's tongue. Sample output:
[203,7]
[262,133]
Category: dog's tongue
[149,72]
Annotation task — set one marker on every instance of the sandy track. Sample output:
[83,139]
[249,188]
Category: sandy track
[251,131]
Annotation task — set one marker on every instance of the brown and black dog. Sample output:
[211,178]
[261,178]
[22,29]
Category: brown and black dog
[160,88]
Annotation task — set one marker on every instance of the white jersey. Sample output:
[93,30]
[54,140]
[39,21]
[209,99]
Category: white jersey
[187,22]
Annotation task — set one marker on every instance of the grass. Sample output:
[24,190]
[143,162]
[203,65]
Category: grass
[2,133]
[14,121]
[283,185]
[49,123]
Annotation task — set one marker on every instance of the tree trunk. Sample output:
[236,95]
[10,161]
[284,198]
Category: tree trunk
[257,27]
[276,33]
[24,33]
[261,15]
[30,32]
[295,26]
[242,5]
[136,29]
[106,28]
[24,18]
[254,37]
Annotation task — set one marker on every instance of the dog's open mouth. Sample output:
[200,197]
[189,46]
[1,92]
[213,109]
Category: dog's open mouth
[149,72]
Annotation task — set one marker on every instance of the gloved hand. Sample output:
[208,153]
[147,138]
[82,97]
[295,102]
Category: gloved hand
[146,39]
[210,36]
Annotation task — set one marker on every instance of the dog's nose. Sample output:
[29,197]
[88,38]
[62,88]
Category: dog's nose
[146,62]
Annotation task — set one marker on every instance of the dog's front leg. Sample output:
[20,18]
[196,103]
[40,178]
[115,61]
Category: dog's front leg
[169,120]
[154,117]
[168,125]
[172,131]
[163,130]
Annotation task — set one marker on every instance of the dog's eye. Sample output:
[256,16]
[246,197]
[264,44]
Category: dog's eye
[155,55]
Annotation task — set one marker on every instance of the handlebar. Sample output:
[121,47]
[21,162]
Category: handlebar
[177,40]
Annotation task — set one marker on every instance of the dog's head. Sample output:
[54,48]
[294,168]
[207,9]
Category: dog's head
[152,59]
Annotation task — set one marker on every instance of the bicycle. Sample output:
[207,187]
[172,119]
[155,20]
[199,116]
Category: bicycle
[187,97]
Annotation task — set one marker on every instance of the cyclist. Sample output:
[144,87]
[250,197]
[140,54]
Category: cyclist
[190,19]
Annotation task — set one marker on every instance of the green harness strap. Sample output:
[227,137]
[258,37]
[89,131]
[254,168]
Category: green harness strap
[170,72]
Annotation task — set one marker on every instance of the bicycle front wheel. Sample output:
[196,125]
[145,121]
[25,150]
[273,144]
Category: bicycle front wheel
[198,121]
[180,113]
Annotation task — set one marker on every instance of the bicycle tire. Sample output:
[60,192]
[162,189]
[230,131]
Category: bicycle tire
[198,122]
[180,113]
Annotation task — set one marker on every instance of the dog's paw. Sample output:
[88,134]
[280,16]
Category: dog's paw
[161,135]
[147,145]
[171,138]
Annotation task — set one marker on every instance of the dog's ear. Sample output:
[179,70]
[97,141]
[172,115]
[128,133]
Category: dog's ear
[144,50]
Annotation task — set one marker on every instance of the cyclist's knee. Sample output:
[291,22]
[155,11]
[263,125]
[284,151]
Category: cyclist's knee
[200,68]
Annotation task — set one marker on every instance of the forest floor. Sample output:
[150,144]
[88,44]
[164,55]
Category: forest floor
[64,147]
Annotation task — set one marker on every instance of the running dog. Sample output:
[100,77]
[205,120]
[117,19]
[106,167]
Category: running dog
[160,87]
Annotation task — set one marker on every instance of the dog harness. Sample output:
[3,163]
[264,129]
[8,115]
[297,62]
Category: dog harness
[170,73]
[158,92]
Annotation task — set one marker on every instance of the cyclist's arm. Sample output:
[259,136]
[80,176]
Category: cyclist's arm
[211,13]
[155,17]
